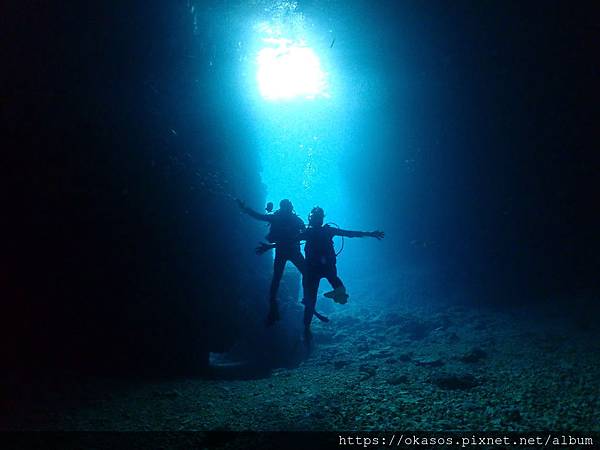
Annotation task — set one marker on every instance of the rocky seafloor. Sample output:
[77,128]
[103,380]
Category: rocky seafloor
[420,368]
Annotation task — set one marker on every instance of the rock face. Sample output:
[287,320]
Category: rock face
[128,252]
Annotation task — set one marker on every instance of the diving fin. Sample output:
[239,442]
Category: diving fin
[321,317]
[338,295]
[342,299]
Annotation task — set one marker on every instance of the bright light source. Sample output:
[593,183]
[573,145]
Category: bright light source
[287,71]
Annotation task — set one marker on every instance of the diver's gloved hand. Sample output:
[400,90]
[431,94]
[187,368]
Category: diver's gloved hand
[377,235]
[263,248]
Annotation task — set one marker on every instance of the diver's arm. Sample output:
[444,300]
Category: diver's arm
[264,247]
[351,234]
[257,215]
[252,213]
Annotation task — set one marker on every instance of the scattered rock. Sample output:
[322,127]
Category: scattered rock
[339,336]
[405,357]
[348,321]
[167,394]
[382,354]
[418,330]
[340,364]
[364,347]
[470,406]
[442,321]
[429,362]
[327,338]
[513,415]
[453,381]
[399,379]
[318,414]
[473,356]
[367,370]
[453,338]
[394,319]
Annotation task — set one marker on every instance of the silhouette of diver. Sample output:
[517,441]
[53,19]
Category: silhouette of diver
[320,262]
[285,228]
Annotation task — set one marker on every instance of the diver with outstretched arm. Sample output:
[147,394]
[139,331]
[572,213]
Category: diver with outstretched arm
[285,227]
[321,262]
[339,294]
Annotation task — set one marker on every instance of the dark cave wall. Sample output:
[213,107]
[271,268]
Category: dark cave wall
[126,250]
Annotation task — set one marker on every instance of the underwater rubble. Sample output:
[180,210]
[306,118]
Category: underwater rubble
[371,371]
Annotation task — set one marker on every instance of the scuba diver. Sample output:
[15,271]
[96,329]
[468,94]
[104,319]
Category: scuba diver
[285,228]
[320,262]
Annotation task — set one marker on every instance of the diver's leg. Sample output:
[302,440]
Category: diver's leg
[338,294]
[300,263]
[311,287]
[298,260]
[318,315]
[335,281]
[278,266]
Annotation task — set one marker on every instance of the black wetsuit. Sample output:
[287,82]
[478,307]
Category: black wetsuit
[285,228]
[320,263]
